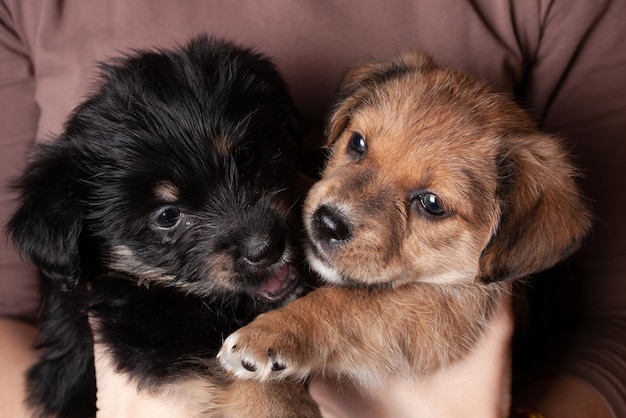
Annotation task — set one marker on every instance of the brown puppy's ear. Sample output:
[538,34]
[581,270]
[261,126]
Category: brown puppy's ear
[46,226]
[359,82]
[543,217]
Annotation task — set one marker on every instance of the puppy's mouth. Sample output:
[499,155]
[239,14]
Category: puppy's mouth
[281,285]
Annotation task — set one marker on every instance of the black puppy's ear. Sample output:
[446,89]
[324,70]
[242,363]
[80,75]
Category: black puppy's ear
[48,221]
[543,216]
[361,80]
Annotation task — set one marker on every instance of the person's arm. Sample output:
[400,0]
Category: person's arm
[18,124]
[119,397]
[564,396]
[576,88]
[18,291]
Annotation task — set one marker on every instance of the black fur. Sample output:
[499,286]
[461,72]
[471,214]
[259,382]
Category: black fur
[206,130]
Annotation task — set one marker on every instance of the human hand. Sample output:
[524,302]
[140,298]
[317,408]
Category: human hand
[118,396]
[17,355]
[478,385]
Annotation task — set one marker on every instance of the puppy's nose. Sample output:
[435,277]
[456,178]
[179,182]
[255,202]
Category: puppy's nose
[330,225]
[264,248]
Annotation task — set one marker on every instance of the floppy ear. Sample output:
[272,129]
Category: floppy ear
[359,81]
[48,221]
[543,217]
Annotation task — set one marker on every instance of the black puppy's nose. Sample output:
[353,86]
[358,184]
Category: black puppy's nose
[330,225]
[264,248]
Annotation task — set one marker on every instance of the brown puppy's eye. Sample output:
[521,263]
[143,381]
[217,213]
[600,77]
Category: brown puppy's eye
[167,217]
[429,204]
[357,146]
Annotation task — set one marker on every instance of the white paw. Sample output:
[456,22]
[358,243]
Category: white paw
[245,361]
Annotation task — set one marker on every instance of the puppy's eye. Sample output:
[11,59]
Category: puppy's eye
[245,156]
[167,217]
[357,146]
[430,204]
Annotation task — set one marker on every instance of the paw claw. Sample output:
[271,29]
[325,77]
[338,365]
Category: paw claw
[276,366]
[251,367]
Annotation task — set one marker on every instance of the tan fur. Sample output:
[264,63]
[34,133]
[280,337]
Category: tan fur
[242,398]
[122,258]
[418,291]
[167,192]
[224,145]
[368,334]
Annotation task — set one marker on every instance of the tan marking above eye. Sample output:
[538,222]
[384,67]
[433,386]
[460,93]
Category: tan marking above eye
[167,192]
[223,145]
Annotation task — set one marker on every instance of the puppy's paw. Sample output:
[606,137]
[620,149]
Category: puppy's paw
[257,352]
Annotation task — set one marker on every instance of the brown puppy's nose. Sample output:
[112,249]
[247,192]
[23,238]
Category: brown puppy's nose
[264,249]
[330,226]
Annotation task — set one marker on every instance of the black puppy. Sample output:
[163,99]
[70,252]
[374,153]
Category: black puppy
[167,213]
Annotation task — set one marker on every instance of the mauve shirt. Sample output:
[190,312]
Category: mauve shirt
[565,61]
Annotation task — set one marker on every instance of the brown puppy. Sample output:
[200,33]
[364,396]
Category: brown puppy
[437,194]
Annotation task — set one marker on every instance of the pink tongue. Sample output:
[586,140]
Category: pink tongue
[275,284]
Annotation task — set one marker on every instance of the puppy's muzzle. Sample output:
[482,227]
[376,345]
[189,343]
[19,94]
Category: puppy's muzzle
[264,248]
[330,227]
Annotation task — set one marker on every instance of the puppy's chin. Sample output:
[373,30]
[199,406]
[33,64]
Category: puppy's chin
[322,268]
[329,274]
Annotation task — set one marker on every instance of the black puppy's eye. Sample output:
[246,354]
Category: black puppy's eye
[167,217]
[245,156]
[430,204]
[357,145]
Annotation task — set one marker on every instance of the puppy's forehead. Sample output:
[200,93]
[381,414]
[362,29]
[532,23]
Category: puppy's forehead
[438,99]
[417,140]
[228,138]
